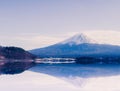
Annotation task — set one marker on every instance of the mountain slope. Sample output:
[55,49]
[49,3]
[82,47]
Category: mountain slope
[14,53]
[78,39]
[77,46]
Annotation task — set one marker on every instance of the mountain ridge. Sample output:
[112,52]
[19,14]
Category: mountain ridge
[77,49]
[14,53]
[78,39]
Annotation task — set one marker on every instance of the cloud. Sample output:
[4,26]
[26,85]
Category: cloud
[28,41]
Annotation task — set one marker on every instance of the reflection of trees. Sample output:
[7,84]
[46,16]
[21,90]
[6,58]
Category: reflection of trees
[14,67]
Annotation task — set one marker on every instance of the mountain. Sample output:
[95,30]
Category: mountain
[14,53]
[15,60]
[78,39]
[78,46]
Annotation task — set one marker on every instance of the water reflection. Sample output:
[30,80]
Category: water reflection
[67,70]
[14,67]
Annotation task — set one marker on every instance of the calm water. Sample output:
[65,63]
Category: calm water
[14,67]
[67,70]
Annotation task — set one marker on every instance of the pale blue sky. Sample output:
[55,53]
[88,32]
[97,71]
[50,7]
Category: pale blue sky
[25,18]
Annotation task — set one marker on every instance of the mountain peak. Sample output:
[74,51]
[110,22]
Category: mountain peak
[78,39]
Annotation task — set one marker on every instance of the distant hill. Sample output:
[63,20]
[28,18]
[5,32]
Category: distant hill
[78,46]
[15,53]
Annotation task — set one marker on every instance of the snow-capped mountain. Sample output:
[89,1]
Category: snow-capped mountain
[77,46]
[78,39]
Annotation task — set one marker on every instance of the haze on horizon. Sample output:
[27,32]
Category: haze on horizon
[36,23]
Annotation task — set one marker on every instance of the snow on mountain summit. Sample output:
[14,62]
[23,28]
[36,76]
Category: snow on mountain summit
[78,39]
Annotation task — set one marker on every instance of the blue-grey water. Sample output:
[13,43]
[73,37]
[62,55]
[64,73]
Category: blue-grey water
[64,77]
[86,71]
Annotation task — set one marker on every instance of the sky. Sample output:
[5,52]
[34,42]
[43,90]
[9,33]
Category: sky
[37,23]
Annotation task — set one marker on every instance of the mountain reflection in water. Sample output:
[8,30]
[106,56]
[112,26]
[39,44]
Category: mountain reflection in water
[61,70]
[72,70]
[15,67]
